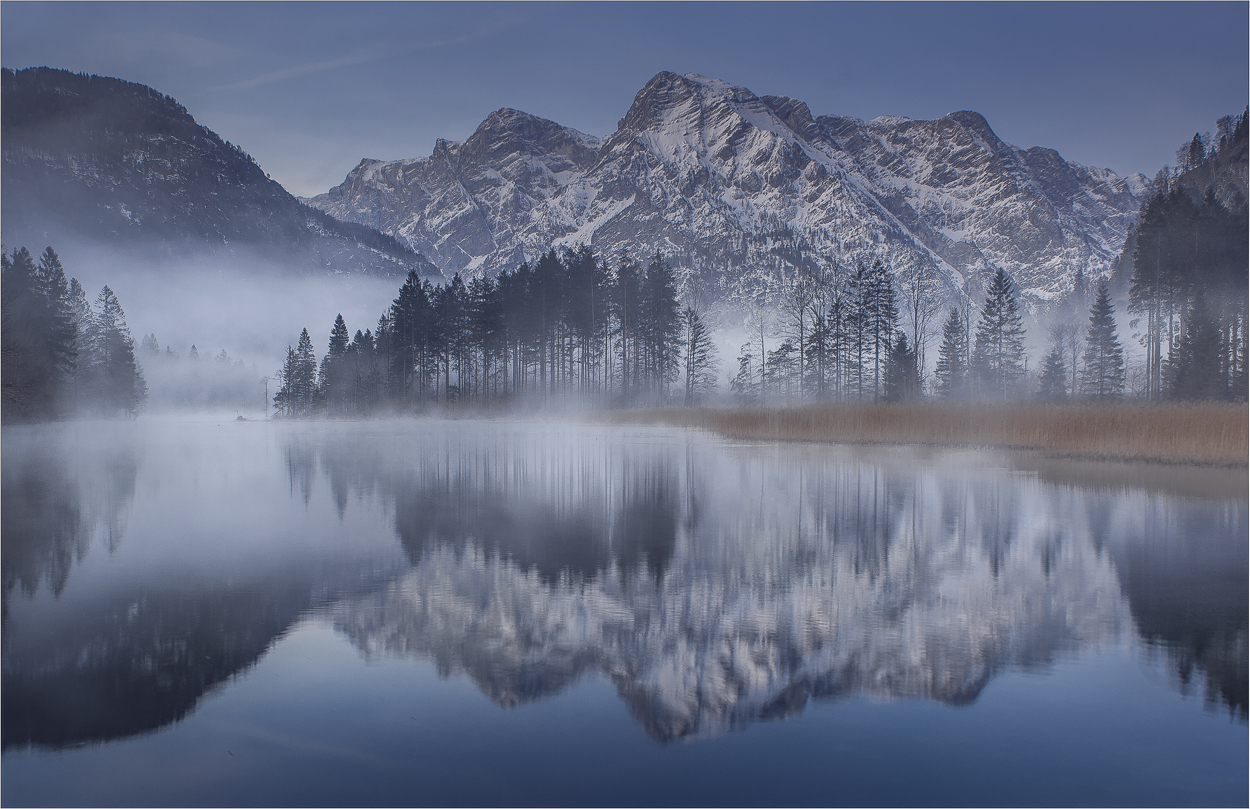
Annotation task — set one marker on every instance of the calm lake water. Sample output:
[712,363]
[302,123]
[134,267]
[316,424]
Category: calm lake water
[426,612]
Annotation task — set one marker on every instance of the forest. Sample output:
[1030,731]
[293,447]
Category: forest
[576,328]
[61,356]
[573,326]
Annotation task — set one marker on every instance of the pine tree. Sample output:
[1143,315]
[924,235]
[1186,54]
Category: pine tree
[305,374]
[334,377]
[284,400]
[998,358]
[951,375]
[1194,371]
[880,312]
[117,382]
[661,325]
[1054,387]
[1102,376]
[902,376]
[60,333]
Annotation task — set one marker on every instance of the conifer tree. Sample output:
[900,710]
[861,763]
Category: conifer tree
[998,358]
[902,376]
[306,374]
[1054,387]
[117,382]
[1193,371]
[951,375]
[60,333]
[627,310]
[881,321]
[334,378]
[1102,376]
[661,324]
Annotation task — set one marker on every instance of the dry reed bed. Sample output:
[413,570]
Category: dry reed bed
[1207,434]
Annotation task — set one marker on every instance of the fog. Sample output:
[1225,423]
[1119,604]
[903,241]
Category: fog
[251,307]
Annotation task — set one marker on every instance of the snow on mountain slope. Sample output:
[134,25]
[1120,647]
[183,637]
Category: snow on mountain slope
[736,189]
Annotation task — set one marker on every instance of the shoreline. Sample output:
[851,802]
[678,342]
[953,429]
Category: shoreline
[1203,435]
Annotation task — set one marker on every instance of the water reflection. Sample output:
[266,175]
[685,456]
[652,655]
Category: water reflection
[713,585]
[58,495]
[143,638]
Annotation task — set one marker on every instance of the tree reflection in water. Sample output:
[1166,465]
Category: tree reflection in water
[714,585]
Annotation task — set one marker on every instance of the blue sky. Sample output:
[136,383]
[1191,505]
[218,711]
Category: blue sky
[308,89]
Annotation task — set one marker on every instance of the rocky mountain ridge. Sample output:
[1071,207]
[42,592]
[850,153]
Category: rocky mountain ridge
[739,191]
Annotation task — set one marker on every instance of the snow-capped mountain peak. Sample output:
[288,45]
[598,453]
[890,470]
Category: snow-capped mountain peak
[735,188]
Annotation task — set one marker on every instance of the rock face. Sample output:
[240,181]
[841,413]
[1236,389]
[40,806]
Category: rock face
[737,189]
[100,159]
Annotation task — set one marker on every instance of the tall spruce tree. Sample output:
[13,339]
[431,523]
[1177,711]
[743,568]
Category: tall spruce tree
[951,375]
[661,325]
[880,312]
[334,372]
[1194,372]
[998,358]
[902,375]
[1102,374]
[1054,386]
[116,380]
[60,332]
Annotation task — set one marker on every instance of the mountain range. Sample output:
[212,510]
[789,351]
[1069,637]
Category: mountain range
[737,190]
[120,164]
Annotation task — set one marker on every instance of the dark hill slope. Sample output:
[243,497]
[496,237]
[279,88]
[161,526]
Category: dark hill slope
[100,159]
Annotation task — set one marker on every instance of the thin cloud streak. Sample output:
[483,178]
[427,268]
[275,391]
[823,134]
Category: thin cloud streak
[303,70]
[299,70]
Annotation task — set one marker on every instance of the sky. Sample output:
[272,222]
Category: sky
[309,89]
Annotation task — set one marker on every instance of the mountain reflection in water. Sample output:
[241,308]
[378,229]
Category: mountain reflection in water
[712,584]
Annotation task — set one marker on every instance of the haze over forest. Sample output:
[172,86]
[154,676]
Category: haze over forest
[719,246]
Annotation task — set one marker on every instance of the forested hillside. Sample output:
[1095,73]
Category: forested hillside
[1189,271]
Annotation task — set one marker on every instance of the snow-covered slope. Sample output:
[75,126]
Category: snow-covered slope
[736,189]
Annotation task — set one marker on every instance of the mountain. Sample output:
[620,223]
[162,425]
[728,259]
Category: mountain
[96,158]
[736,189]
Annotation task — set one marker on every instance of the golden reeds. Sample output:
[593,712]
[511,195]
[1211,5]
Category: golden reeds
[1209,434]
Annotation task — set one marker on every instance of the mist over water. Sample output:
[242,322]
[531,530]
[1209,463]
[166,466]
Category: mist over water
[530,596]
[252,307]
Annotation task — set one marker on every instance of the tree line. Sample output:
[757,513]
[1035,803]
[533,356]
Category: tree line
[567,326]
[572,325]
[61,355]
[1189,282]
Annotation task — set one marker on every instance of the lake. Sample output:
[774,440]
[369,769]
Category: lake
[466,612]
